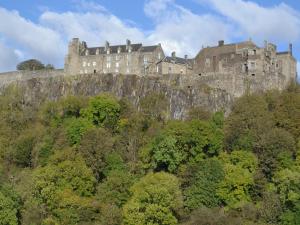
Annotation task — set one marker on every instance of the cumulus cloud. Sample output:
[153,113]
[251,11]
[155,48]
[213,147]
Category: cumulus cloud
[177,28]
[279,22]
[41,42]
[8,57]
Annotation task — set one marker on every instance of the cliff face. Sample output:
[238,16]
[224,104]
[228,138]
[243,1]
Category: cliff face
[182,95]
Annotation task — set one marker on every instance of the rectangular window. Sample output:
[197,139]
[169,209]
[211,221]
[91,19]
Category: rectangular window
[108,58]
[117,64]
[108,65]
[159,55]
[157,69]
[84,64]
[94,63]
[88,64]
[145,60]
[127,70]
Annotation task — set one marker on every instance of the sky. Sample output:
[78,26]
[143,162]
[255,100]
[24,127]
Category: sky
[41,29]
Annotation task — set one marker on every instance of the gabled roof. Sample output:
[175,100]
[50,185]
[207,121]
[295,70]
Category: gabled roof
[114,49]
[176,60]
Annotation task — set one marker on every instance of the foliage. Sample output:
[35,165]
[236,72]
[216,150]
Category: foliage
[201,181]
[239,168]
[76,128]
[103,111]
[95,146]
[155,200]
[31,64]
[183,142]
[97,160]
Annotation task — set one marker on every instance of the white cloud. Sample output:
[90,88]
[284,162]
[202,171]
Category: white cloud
[8,58]
[177,28]
[277,23]
[40,42]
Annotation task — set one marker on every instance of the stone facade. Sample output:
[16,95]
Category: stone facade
[122,59]
[247,61]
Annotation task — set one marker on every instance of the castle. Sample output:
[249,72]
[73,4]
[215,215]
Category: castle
[244,59]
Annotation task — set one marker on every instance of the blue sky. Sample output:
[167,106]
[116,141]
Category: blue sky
[41,29]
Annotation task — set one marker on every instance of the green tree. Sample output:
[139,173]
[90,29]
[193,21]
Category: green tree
[250,118]
[239,168]
[183,142]
[95,146]
[275,150]
[76,128]
[156,199]
[103,111]
[9,206]
[66,186]
[201,181]
[31,64]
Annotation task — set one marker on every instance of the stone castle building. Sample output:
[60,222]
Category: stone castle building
[124,59]
[239,61]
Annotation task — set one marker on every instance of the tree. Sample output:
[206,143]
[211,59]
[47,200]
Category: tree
[66,187]
[95,146]
[102,111]
[239,168]
[249,119]
[183,142]
[156,199]
[76,128]
[31,64]
[201,181]
[9,206]
[275,150]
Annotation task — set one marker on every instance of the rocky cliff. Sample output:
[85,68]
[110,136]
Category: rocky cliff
[183,93]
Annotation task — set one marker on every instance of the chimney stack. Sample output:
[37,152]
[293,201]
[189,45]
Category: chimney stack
[128,44]
[106,46]
[291,48]
[221,43]
[173,54]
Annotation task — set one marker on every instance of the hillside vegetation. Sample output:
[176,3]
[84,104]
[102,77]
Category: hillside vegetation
[98,160]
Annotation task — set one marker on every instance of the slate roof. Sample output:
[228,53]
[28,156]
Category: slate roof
[176,60]
[114,49]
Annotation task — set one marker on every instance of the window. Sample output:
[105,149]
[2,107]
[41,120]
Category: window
[127,70]
[108,65]
[108,51]
[88,64]
[207,62]
[252,65]
[145,60]
[159,56]
[157,69]
[117,65]
[170,69]
[94,63]
[84,64]
[108,58]
[181,71]
[85,71]
[117,70]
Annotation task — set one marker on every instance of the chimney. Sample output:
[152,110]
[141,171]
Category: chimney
[221,43]
[173,54]
[128,44]
[266,44]
[291,48]
[106,46]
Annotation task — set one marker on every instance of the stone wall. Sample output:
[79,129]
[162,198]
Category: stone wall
[43,85]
